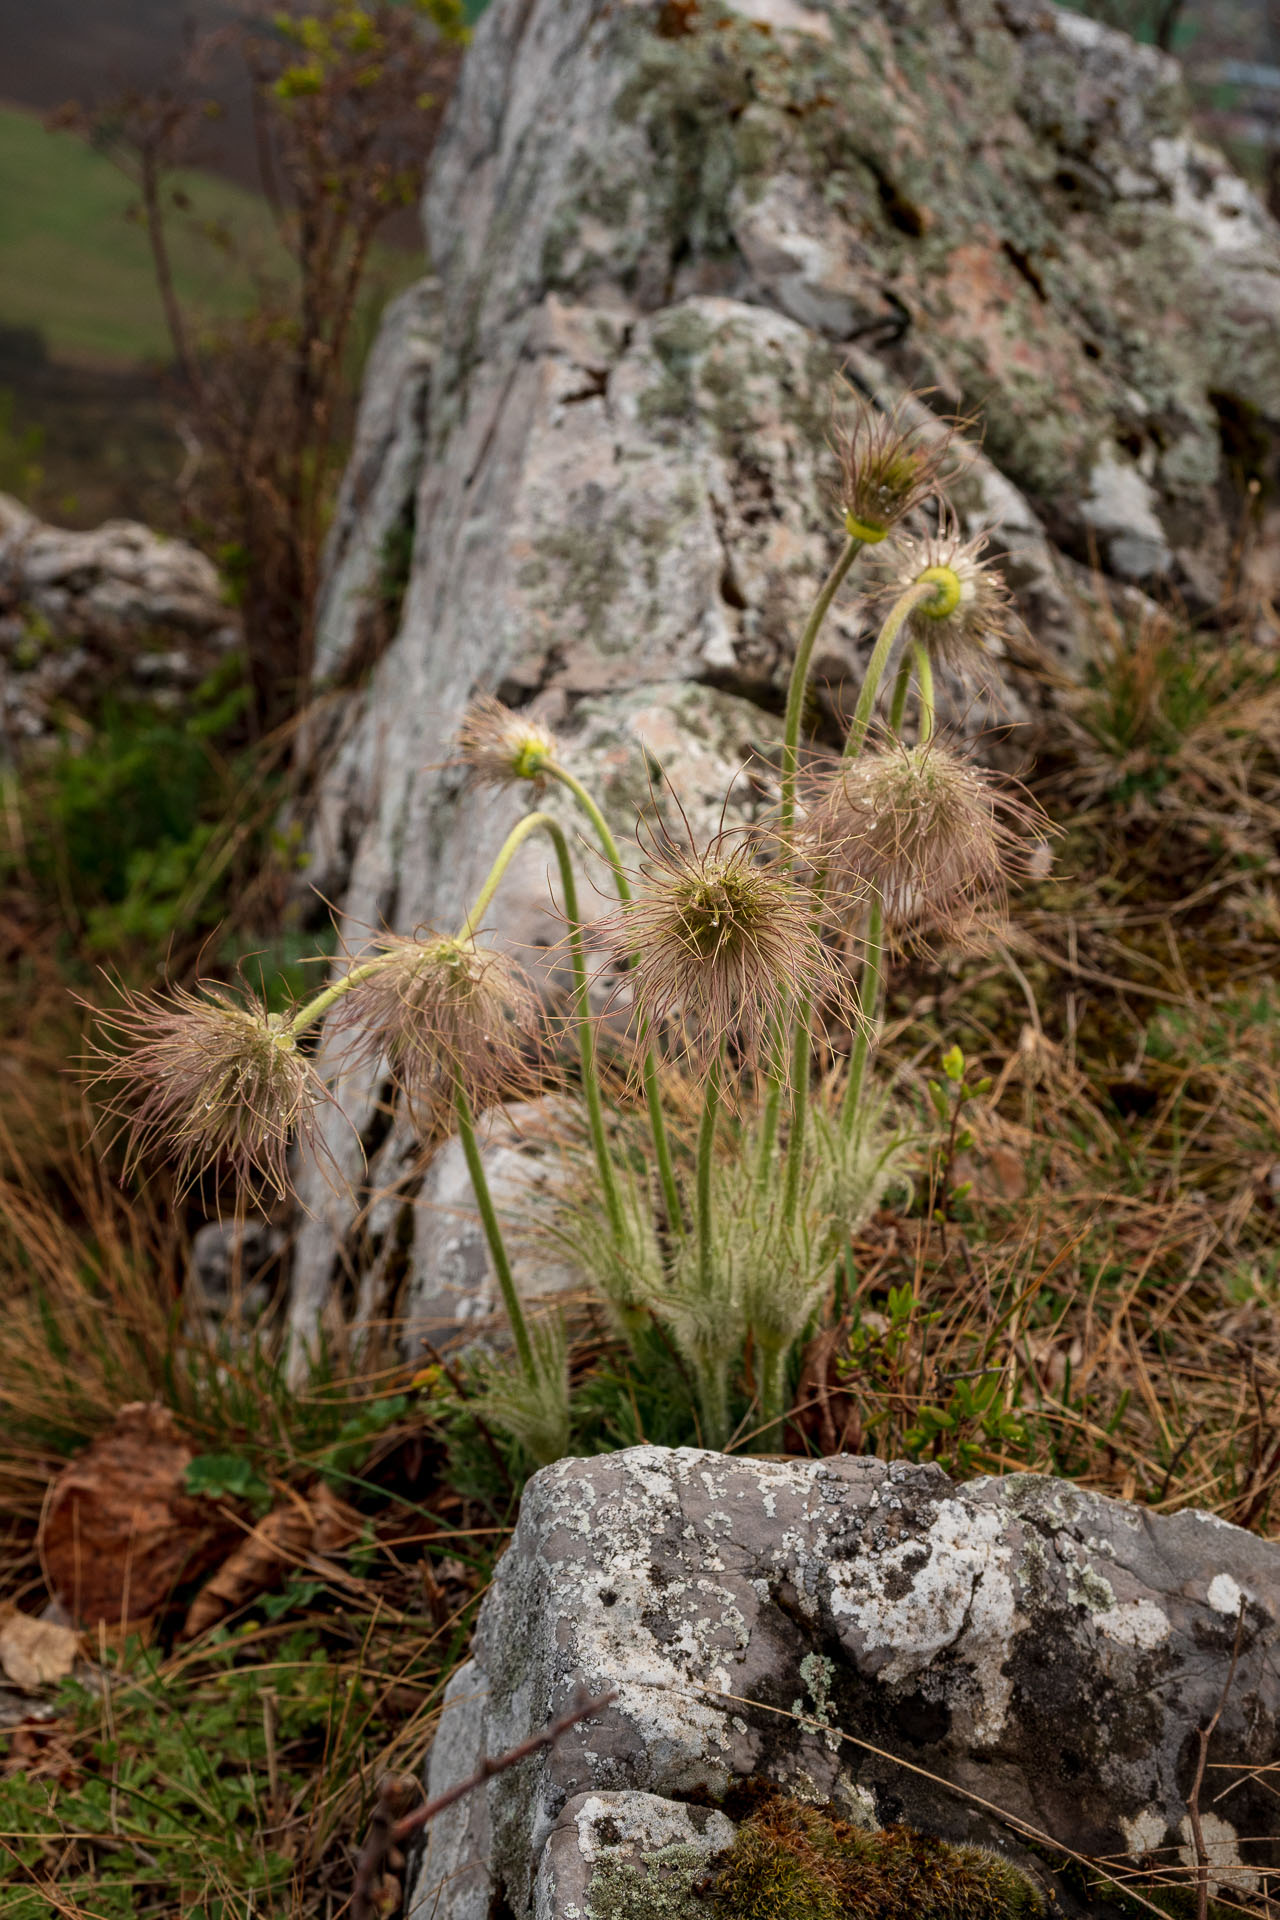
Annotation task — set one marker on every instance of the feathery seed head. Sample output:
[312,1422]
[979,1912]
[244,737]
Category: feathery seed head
[887,468]
[212,1079]
[502,747]
[926,833]
[970,603]
[445,1013]
[720,943]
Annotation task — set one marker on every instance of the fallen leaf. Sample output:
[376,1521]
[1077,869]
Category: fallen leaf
[121,1532]
[320,1524]
[259,1562]
[35,1653]
[336,1524]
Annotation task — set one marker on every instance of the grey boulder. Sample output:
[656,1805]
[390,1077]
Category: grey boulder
[1011,1661]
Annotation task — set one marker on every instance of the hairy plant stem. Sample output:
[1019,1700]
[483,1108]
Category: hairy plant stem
[918,592]
[652,1086]
[801,1047]
[587,1038]
[798,685]
[769,1131]
[706,1154]
[871,984]
[493,1234]
[772,1382]
[869,989]
[924,685]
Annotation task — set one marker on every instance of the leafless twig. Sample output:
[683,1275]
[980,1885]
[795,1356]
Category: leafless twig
[387,1831]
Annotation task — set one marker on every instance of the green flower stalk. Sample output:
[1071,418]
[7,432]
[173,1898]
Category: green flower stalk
[504,747]
[887,470]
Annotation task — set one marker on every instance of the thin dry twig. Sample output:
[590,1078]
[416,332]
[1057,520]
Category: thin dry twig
[387,1831]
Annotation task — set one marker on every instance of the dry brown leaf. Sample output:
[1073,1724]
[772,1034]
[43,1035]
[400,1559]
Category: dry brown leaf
[336,1524]
[260,1560]
[120,1532]
[35,1653]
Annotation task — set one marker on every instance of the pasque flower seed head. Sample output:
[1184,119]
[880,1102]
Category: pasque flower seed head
[926,833]
[502,747]
[212,1079]
[445,1014]
[720,943]
[887,468]
[970,603]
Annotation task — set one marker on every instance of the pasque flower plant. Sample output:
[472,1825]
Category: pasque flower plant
[734,953]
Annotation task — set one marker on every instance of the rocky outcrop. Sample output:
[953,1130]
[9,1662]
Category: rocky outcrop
[117,610]
[1014,1662]
[592,460]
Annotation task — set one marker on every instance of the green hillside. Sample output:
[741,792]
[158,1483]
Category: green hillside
[74,266]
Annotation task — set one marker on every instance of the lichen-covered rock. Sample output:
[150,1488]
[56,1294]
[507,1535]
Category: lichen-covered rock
[955,1654]
[118,610]
[593,455]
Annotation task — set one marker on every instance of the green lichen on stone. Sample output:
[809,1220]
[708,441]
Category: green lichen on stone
[794,1862]
[662,1889]
[1088,1589]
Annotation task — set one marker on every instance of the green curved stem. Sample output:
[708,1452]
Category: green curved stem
[493,1234]
[798,686]
[901,690]
[772,1382]
[924,682]
[706,1152]
[316,1008]
[652,1087]
[587,1037]
[918,591]
[506,853]
[869,991]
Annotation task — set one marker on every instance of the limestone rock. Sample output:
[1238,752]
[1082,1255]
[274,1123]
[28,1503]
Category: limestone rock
[1049,1653]
[597,437]
[118,609]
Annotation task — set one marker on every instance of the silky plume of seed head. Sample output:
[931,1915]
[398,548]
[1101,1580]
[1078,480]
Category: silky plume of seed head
[970,606]
[720,943]
[503,748]
[887,467]
[446,1014]
[211,1080]
[928,835]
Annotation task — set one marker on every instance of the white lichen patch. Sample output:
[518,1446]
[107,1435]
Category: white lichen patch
[1224,1595]
[1222,1851]
[1136,1623]
[950,1588]
[1144,1832]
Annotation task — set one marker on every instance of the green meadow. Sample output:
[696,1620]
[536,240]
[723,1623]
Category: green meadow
[76,266]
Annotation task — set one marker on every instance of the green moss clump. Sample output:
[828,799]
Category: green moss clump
[792,1862]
